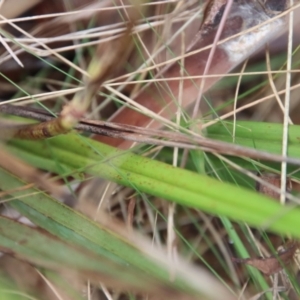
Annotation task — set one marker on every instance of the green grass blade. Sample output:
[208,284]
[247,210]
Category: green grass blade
[120,258]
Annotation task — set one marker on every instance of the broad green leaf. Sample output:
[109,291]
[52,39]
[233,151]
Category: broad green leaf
[175,184]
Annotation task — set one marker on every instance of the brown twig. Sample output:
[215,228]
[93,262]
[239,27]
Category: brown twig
[152,136]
